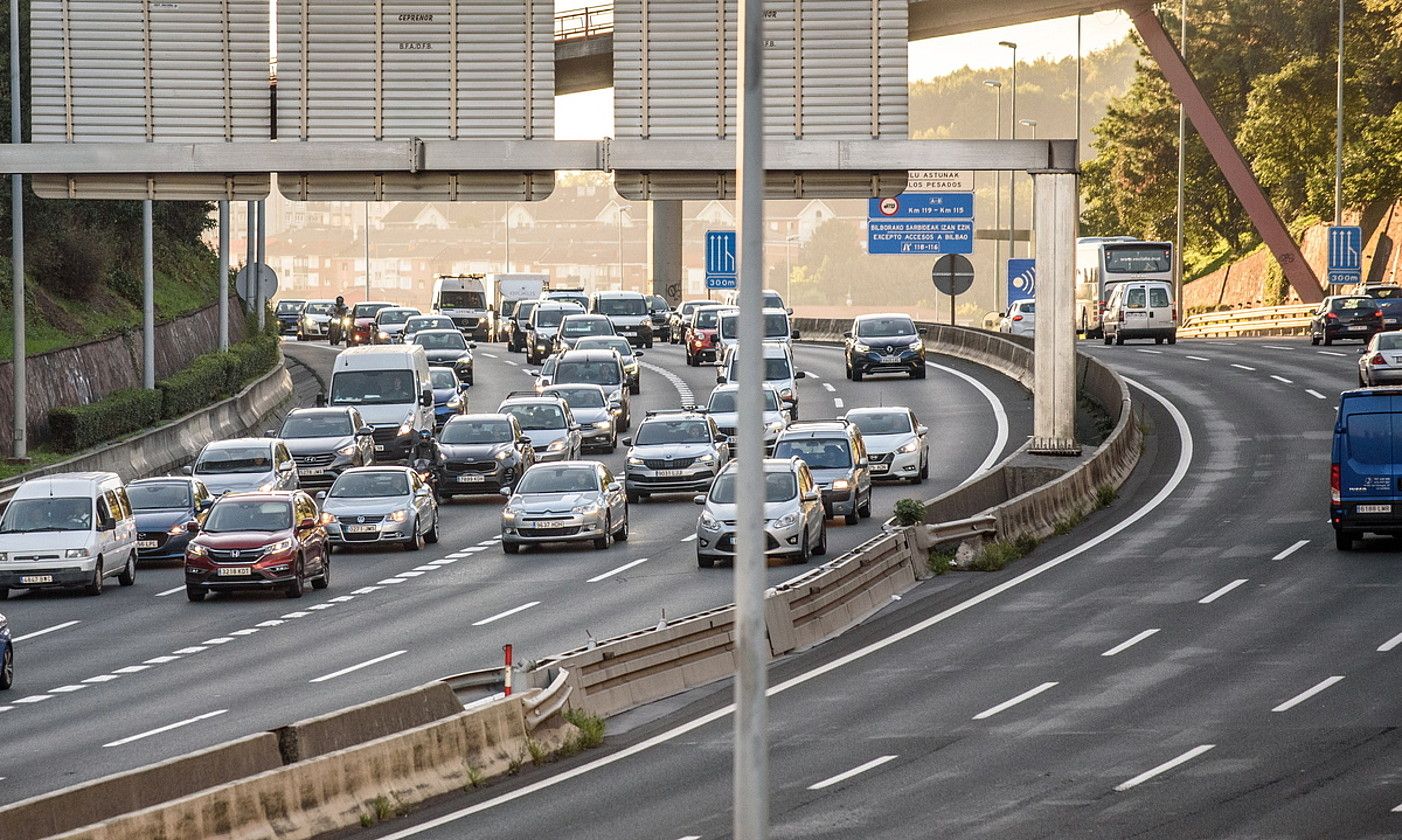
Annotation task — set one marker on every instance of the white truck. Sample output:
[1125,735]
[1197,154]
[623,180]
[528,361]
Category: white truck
[506,291]
[465,299]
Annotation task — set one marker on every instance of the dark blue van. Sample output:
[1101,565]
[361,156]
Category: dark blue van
[1365,473]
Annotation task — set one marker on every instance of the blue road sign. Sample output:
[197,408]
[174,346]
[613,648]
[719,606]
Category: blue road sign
[1345,254]
[921,223]
[1022,279]
[720,259]
[922,206]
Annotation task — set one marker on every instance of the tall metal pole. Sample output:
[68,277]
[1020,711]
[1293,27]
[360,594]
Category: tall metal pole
[1179,236]
[20,451]
[998,282]
[1339,127]
[1012,134]
[148,299]
[506,227]
[262,260]
[367,250]
[224,275]
[252,257]
[751,764]
[1078,87]
[1031,249]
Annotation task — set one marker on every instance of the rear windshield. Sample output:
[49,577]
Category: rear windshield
[1390,341]
[524,310]
[1385,292]
[1370,439]
[587,326]
[775,370]
[1158,297]
[618,344]
[1355,303]
[885,423]
[621,306]
[723,402]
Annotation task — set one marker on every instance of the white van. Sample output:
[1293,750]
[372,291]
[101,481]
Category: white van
[464,299]
[72,531]
[1141,309]
[392,389]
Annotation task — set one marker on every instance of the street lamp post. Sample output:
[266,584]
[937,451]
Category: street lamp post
[1012,134]
[1339,127]
[1032,124]
[997,196]
[1180,215]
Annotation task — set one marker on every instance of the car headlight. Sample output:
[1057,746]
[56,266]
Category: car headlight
[4,556]
[557,445]
[861,348]
[788,520]
[841,484]
[455,402]
[706,460]
[509,514]
[603,425]
[708,522]
[586,510]
[913,445]
[176,530]
[504,455]
[405,426]
[384,336]
[270,484]
[279,546]
[775,428]
[616,397]
[74,553]
[398,516]
[634,461]
[786,393]
[347,450]
[197,550]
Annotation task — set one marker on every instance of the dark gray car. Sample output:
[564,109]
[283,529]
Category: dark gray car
[326,442]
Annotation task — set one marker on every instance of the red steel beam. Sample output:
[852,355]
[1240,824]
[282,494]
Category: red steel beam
[1234,167]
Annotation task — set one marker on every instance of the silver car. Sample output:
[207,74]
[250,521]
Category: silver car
[674,452]
[896,443]
[794,525]
[722,408]
[632,368]
[380,505]
[575,327]
[590,407]
[565,502]
[245,465]
[547,421]
[1380,363]
[836,453]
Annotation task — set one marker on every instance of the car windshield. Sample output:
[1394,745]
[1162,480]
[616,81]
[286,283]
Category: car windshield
[883,423]
[1390,341]
[289,307]
[655,432]
[248,515]
[551,316]
[776,325]
[370,485]
[778,487]
[53,513]
[586,326]
[368,310]
[616,343]
[476,431]
[235,459]
[706,319]
[440,340]
[162,495]
[372,387]
[459,299]
[547,479]
[818,454]
[319,308]
[594,373]
[621,306]
[885,327]
[772,301]
[1355,303]
[723,402]
[316,425]
[537,417]
[391,317]
[442,378]
[507,307]
[1382,292]
[524,310]
[581,397]
[729,325]
[418,322]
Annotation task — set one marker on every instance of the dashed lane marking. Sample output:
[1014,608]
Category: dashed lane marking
[1223,591]
[45,631]
[1008,704]
[1198,358]
[1242,367]
[1164,768]
[855,771]
[611,572]
[1282,379]
[167,728]
[366,664]
[1315,394]
[1308,693]
[1131,642]
[499,616]
[1291,550]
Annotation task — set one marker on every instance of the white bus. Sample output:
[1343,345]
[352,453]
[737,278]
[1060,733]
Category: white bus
[1102,261]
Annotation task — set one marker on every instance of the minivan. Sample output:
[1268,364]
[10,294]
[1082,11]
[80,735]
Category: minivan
[1366,466]
[1141,309]
[629,312]
[777,327]
[72,530]
[392,389]
[779,372]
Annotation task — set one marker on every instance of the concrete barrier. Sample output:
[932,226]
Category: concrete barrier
[347,727]
[122,793]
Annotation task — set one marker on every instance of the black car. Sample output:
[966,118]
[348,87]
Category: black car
[289,314]
[886,343]
[481,453]
[661,317]
[1346,316]
[161,507]
[447,348]
[326,442]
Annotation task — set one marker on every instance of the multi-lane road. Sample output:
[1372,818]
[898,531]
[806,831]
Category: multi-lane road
[140,674]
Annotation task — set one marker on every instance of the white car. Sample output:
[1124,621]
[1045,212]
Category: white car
[722,408]
[1020,319]
[71,530]
[897,445]
[779,371]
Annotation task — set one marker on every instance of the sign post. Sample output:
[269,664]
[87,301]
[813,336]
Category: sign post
[1345,255]
[720,259]
[953,274]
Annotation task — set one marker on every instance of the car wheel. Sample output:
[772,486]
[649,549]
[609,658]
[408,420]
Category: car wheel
[918,372]
[852,518]
[7,669]
[1343,540]
[805,550]
[613,444]
[622,535]
[1314,339]
[298,586]
[95,586]
[864,511]
[1106,339]
[924,469]
[634,498]
[323,580]
[821,549]
[4,593]
[857,374]
[1173,339]
[1328,342]
[1119,340]
[704,562]
[432,535]
[128,575]
[601,543]
[847,371]
[195,593]
[635,388]
[1158,340]
[416,540]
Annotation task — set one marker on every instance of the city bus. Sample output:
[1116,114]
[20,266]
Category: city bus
[1102,261]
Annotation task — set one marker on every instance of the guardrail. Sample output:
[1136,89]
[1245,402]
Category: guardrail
[588,22]
[1292,319]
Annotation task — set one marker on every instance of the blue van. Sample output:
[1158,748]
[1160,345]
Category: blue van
[1365,472]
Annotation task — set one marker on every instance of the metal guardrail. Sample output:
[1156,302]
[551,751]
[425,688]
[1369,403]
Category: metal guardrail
[588,22]
[541,707]
[1292,319]
[471,681]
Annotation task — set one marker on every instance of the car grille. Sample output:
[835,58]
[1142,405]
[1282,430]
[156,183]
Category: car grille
[315,460]
[728,431]
[567,531]
[668,463]
[884,458]
[465,322]
[471,466]
[357,519]
[385,435]
[244,555]
[727,542]
[369,536]
[33,557]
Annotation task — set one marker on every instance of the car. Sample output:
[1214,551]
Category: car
[545,322]
[545,377]
[7,656]
[264,541]
[482,453]
[1020,319]
[701,346]
[325,442]
[379,505]
[427,322]
[674,451]
[769,298]
[1380,362]
[661,315]
[897,445]
[68,531]
[547,421]
[315,320]
[1364,495]
[1389,298]
[590,406]
[598,367]
[289,314]
[1346,316]
[1140,309]
[389,324]
[794,523]
[449,395]
[836,454]
[565,502]
[721,407]
[888,342]
[680,319]
[632,368]
[518,325]
[362,322]
[779,372]
[162,506]
[574,296]
[241,464]
[577,326]
[447,348]
[727,331]
[629,312]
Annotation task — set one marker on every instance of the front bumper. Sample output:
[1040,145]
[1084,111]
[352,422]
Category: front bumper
[166,548]
[596,437]
[778,542]
[338,533]
[287,326]
[561,529]
[315,329]
[205,574]
[838,502]
[59,576]
[546,456]
[647,480]
[464,478]
[903,361]
[895,466]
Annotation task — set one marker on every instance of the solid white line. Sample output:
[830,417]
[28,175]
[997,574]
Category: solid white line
[1223,591]
[1315,394]
[1185,459]
[1145,350]
[1000,420]
[1164,768]
[1008,704]
[501,615]
[1198,358]
[1242,367]
[1131,642]
[855,771]
[827,386]
[366,664]
[1390,643]
[837,402]
[1307,694]
[1329,353]
[1291,550]
[611,572]
[168,727]
[46,630]
[1276,347]
[1282,379]
[171,591]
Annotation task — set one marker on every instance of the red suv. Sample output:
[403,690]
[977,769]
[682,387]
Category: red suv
[701,335]
[271,540]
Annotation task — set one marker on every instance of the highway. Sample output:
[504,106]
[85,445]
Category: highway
[140,674]
[1194,661]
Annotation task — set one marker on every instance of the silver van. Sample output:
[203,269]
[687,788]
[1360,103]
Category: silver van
[68,531]
[1141,309]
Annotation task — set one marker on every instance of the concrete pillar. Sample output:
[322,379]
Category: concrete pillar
[664,249]
[1054,371]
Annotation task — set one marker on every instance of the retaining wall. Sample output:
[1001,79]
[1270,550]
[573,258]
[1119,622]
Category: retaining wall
[347,727]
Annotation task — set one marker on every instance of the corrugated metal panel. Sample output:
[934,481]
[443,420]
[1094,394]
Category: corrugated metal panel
[433,69]
[834,69]
[146,71]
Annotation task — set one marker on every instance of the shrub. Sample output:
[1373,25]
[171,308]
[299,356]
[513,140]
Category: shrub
[1105,495]
[997,554]
[1066,524]
[941,560]
[909,512]
[75,427]
[201,384]
[591,728]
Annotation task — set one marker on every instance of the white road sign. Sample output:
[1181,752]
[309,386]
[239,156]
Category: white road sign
[939,180]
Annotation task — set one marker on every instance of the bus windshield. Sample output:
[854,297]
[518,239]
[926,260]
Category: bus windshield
[1138,258]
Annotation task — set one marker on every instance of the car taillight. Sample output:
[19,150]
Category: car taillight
[1102,306]
[1331,316]
[1173,313]
[1378,313]
[1334,483]
[1017,317]
[1377,359]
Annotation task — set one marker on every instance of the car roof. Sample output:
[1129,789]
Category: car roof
[376,303]
[164,479]
[412,309]
[320,411]
[587,316]
[588,355]
[243,441]
[378,468]
[869,316]
[525,399]
[561,385]
[48,485]
[261,495]
[617,294]
[482,415]
[768,465]
[877,409]
[438,331]
[817,428]
[553,303]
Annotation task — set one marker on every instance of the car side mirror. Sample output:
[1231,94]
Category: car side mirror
[862,462]
[638,353]
[204,505]
[920,430]
[720,379]
[107,524]
[794,335]
[320,400]
[798,374]
[1362,350]
[627,441]
[699,498]
[187,470]
[505,491]
[923,331]
[365,431]
[426,398]
[270,433]
[308,522]
[533,372]
[616,487]
[812,496]
[788,309]
[193,526]
[321,497]
[524,440]
[574,427]
[286,466]
[847,334]
[472,345]
[722,439]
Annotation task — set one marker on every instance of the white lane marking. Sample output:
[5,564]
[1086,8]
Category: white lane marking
[1315,394]
[486,542]
[827,386]
[186,651]
[1000,420]
[1131,641]
[611,572]
[1198,358]
[411,574]
[446,561]
[366,590]
[813,376]
[426,568]
[171,591]
[388,581]
[1390,643]
[683,390]
[168,727]
[131,669]
[1291,550]
[366,664]
[272,622]
[1185,459]
[1146,350]
[689,538]
[499,616]
[247,631]
[1397,810]
[45,631]
[489,355]
[297,614]
[219,641]
[341,599]
[1223,591]
[855,771]
[1008,704]
[1276,347]
[837,402]
[102,678]
[1282,379]
[160,660]
[1329,353]
[1164,768]
[35,698]
[1242,367]
[325,606]
[68,689]
[1307,693]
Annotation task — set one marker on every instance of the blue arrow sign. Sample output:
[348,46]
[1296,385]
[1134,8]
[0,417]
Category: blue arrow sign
[720,259]
[1345,254]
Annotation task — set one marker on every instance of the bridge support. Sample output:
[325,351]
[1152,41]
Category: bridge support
[664,249]
[1057,204]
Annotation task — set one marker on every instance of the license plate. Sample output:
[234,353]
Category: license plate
[1137,314]
[671,473]
[550,523]
[37,579]
[379,447]
[1373,509]
[889,359]
[362,529]
[235,571]
[471,478]
[1357,328]
[145,543]
[879,468]
[311,470]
